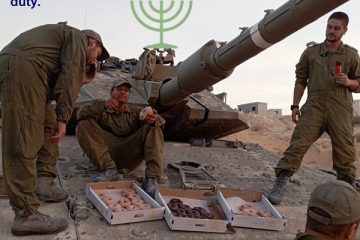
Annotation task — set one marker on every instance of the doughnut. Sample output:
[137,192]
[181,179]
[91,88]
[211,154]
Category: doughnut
[124,202]
[119,209]
[264,213]
[137,201]
[195,214]
[132,208]
[172,206]
[144,206]
[125,192]
[249,212]
[187,208]
[245,206]
[180,212]
[176,201]
[133,195]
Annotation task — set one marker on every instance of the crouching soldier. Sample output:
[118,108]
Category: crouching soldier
[117,137]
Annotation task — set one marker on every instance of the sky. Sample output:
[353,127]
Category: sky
[268,77]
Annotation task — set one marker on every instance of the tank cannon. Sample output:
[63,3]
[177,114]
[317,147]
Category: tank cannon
[181,93]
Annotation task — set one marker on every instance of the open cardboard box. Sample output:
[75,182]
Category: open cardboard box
[230,203]
[193,198]
[114,189]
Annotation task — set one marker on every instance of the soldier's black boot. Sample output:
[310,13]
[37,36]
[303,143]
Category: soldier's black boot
[149,186]
[278,189]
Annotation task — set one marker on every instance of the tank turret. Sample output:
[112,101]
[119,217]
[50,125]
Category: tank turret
[182,93]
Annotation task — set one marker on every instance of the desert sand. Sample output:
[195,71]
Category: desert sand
[274,133]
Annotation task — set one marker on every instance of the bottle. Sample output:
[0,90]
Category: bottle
[338,68]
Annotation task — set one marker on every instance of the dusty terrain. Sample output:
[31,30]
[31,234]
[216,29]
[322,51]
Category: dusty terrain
[274,133]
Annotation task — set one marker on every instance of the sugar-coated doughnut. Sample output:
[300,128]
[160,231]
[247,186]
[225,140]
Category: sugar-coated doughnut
[132,208]
[137,201]
[249,212]
[124,202]
[264,213]
[144,206]
[133,195]
[125,192]
[119,209]
[245,206]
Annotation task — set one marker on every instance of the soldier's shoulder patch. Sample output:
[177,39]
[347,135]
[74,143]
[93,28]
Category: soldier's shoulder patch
[311,44]
[351,47]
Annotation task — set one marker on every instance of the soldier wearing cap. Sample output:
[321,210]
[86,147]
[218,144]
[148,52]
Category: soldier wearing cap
[43,64]
[333,213]
[117,137]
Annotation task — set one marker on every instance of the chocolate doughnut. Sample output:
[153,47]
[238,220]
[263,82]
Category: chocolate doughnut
[172,206]
[195,214]
[187,208]
[177,201]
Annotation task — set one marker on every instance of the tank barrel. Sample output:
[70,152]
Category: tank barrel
[213,62]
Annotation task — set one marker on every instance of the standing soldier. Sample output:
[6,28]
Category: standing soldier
[46,63]
[331,73]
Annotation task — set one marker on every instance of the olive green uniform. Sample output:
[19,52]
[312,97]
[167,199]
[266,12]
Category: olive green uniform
[39,65]
[328,108]
[120,139]
[306,236]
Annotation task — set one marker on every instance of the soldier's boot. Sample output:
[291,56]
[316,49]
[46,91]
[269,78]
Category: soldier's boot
[350,180]
[108,175]
[149,185]
[278,189]
[37,224]
[47,190]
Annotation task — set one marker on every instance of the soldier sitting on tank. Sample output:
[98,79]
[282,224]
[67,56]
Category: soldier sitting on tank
[117,137]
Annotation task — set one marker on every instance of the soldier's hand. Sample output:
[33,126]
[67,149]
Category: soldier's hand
[60,132]
[295,115]
[151,118]
[342,79]
[111,104]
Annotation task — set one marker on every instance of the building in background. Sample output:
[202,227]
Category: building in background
[259,108]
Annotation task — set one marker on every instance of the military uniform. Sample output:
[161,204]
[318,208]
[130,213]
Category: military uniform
[306,236]
[120,139]
[42,63]
[328,108]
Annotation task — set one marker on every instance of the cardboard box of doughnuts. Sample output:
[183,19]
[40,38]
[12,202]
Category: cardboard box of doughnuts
[123,202]
[192,210]
[249,209]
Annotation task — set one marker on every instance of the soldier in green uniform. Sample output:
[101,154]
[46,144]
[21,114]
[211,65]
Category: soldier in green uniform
[117,137]
[333,213]
[331,73]
[46,63]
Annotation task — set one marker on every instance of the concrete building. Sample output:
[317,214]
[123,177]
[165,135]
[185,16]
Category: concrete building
[255,107]
[274,112]
[259,108]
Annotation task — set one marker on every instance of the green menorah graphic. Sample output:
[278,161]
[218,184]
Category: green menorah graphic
[162,20]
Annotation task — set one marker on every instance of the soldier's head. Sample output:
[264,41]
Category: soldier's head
[95,49]
[336,26]
[121,90]
[334,211]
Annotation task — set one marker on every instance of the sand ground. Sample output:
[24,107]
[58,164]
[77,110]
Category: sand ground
[274,133]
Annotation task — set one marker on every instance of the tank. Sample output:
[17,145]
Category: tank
[182,93]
